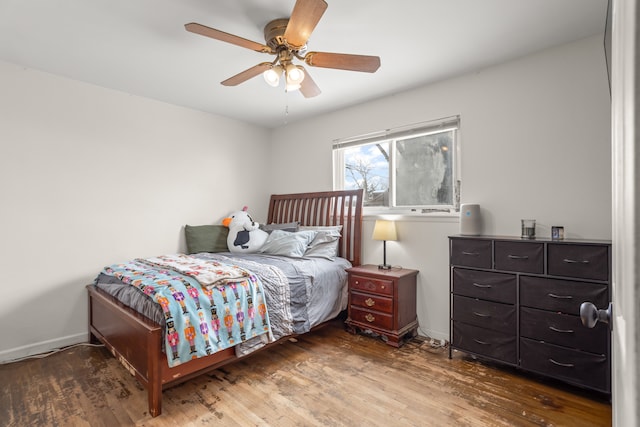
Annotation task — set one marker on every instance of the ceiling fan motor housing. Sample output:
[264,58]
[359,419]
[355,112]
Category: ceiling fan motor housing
[274,36]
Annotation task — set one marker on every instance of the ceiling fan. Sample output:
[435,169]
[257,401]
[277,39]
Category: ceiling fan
[287,39]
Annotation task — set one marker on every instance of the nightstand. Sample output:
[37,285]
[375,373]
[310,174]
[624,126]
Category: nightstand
[383,302]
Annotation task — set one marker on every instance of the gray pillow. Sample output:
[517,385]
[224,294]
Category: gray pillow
[206,238]
[324,245]
[337,228]
[286,243]
[287,226]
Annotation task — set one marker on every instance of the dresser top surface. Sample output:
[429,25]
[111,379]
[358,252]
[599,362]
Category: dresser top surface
[537,239]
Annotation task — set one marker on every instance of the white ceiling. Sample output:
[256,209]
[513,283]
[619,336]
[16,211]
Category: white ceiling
[141,46]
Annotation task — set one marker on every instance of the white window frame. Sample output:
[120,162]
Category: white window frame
[391,136]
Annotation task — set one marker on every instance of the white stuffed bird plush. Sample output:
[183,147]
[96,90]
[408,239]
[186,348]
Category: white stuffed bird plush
[245,235]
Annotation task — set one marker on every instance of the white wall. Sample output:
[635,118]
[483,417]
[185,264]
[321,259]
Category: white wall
[535,136]
[90,177]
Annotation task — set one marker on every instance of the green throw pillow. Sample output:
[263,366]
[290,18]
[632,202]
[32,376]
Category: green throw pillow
[206,238]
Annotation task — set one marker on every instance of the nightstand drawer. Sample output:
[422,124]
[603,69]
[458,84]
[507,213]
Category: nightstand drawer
[563,329]
[561,295]
[497,287]
[368,284]
[486,342]
[577,367]
[372,302]
[581,261]
[486,314]
[523,257]
[471,253]
[373,319]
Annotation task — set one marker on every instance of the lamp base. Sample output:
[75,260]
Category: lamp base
[384,266]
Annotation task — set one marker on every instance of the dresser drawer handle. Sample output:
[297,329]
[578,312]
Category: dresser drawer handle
[575,261]
[471,253]
[479,285]
[369,302]
[369,317]
[481,314]
[564,365]
[562,331]
[560,296]
[482,342]
[518,256]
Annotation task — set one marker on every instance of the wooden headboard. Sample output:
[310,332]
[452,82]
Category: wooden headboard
[324,208]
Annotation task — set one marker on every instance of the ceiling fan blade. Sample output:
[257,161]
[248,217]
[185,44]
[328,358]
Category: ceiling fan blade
[226,37]
[308,87]
[305,16]
[247,74]
[343,61]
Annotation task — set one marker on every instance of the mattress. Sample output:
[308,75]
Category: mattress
[317,288]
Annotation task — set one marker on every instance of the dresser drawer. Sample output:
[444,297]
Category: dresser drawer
[574,366]
[523,257]
[581,261]
[561,295]
[490,286]
[485,342]
[564,330]
[372,319]
[490,315]
[471,253]
[368,284]
[372,302]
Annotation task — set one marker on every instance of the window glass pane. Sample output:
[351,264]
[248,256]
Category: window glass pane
[367,167]
[424,170]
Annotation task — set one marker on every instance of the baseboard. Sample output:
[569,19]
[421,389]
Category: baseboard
[42,347]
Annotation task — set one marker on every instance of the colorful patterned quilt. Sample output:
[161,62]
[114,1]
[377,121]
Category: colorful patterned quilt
[208,306]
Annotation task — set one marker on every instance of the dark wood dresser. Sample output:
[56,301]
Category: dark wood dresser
[517,302]
[383,302]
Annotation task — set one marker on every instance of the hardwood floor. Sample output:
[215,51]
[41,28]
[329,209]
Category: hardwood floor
[326,378]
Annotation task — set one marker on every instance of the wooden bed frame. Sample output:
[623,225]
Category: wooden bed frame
[136,341]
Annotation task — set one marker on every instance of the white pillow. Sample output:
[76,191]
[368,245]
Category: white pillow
[286,243]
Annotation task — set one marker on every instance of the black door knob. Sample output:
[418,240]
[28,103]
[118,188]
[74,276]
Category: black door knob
[590,315]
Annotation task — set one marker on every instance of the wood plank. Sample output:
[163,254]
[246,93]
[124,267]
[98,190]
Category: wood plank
[325,378]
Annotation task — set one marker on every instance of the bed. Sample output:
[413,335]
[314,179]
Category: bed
[137,341]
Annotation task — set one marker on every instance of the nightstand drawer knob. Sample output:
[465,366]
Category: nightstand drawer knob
[370,318]
[369,302]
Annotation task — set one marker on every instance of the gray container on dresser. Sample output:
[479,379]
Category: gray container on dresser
[518,302]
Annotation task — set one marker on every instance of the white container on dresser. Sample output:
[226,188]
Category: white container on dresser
[517,302]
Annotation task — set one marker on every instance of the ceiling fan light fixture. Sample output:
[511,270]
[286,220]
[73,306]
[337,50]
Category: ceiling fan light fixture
[272,75]
[286,38]
[295,75]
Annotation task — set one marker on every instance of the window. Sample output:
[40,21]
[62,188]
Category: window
[413,168]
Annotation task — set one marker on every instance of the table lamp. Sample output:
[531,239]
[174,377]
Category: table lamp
[384,230]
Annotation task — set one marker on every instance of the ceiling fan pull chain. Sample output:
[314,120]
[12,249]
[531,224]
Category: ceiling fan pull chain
[286,107]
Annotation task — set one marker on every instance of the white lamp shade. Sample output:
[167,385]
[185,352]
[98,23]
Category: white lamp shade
[384,230]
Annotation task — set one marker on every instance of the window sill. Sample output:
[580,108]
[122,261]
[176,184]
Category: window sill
[414,216]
